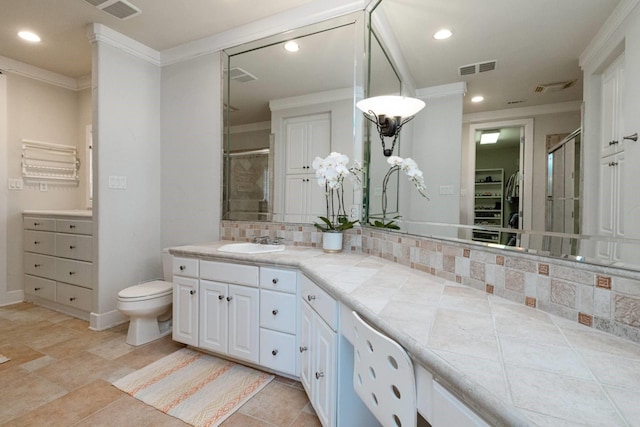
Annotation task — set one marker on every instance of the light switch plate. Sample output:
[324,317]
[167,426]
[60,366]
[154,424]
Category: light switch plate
[16,184]
[44,186]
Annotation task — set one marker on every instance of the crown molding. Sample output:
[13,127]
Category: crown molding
[457,88]
[25,70]
[307,14]
[101,33]
[311,99]
[512,113]
[607,32]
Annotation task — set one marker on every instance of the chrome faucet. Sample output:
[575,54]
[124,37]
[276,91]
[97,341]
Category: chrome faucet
[266,240]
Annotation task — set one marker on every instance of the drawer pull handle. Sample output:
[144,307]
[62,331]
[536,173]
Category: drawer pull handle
[311,297]
[274,312]
[303,349]
[72,247]
[37,265]
[319,375]
[72,226]
[36,242]
[220,297]
[192,292]
[274,280]
[36,289]
[183,268]
[274,352]
[36,224]
[71,273]
[229,298]
[72,299]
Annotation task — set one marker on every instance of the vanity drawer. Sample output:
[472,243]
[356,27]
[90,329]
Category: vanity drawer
[278,311]
[229,273]
[75,272]
[278,351]
[40,265]
[42,242]
[74,296]
[278,280]
[74,246]
[42,224]
[74,226]
[322,302]
[43,288]
[187,267]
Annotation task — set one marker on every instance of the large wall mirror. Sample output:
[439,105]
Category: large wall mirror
[285,107]
[526,190]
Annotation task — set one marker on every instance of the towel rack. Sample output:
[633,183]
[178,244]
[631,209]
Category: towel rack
[45,161]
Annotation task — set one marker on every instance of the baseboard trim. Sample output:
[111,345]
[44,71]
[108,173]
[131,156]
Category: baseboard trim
[11,297]
[102,321]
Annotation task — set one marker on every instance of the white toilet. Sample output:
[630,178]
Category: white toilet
[148,306]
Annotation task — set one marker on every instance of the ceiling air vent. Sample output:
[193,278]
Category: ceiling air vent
[240,75]
[478,67]
[121,9]
[554,87]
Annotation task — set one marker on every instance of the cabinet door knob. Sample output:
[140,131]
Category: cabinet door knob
[229,298]
[37,265]
[303,349]
[36,289]
[192,292]
[72,299]
[183,268]
[274,312]
[71,247]
[311,297]
[36,242]
[274,280]
[36,224]
[274,351]
[72,226]
[319,375]
[614,142]
[220,297]
[71,273]
[613,163]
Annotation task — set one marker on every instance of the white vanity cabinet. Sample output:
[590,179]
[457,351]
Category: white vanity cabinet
[58,261]
[278,320]
[318,348]
[185,300]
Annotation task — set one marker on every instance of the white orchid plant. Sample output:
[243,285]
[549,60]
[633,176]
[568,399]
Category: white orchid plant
[410,168]
[331,172]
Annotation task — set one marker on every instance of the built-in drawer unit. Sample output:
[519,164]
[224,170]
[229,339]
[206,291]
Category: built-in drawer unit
[278,311]
[278,350]
[278,279]
[58,261]
[323,304]
[229,273]
[185,267]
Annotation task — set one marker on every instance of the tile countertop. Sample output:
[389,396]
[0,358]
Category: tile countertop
[513,364]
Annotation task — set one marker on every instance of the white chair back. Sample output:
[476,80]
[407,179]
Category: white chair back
[383,377]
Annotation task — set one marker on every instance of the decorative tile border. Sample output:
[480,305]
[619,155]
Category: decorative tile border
[607,299]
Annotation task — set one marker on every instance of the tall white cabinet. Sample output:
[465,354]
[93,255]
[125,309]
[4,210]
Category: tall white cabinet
[611,222]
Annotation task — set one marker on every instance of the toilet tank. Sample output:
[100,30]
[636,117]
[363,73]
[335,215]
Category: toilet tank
[167,265]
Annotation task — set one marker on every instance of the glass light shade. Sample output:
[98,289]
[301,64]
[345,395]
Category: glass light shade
[489,137]
[391,106]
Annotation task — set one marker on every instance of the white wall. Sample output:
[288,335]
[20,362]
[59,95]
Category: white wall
[5,297]
[191,151]
[126,130]
[45,112]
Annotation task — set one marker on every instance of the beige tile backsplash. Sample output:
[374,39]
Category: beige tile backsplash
[604,298]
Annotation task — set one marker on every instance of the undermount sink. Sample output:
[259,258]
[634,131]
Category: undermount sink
[251,248]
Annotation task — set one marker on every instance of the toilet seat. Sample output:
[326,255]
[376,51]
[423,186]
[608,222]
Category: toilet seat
[146,291]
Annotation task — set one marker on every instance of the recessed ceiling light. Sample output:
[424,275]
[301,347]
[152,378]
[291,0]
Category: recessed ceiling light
[490,137]
[442,34]
[478,98]
[291,46]
[29,36]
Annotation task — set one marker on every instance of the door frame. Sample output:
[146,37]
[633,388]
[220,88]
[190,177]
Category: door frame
[526,167]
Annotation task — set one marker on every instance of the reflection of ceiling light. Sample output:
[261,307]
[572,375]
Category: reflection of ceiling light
[291,46]
[442,34]
[490,137]
[478,98]
[29,36]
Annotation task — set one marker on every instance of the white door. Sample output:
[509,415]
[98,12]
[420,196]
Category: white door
[296,146]
[306,347]
[296,199]
[244,323]
[325,372]
[612,102]
[214,313]
[185,310]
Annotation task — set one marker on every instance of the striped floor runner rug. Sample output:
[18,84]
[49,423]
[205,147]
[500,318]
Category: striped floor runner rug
[197,388]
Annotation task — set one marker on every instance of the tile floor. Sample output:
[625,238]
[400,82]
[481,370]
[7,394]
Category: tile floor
[60,374]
